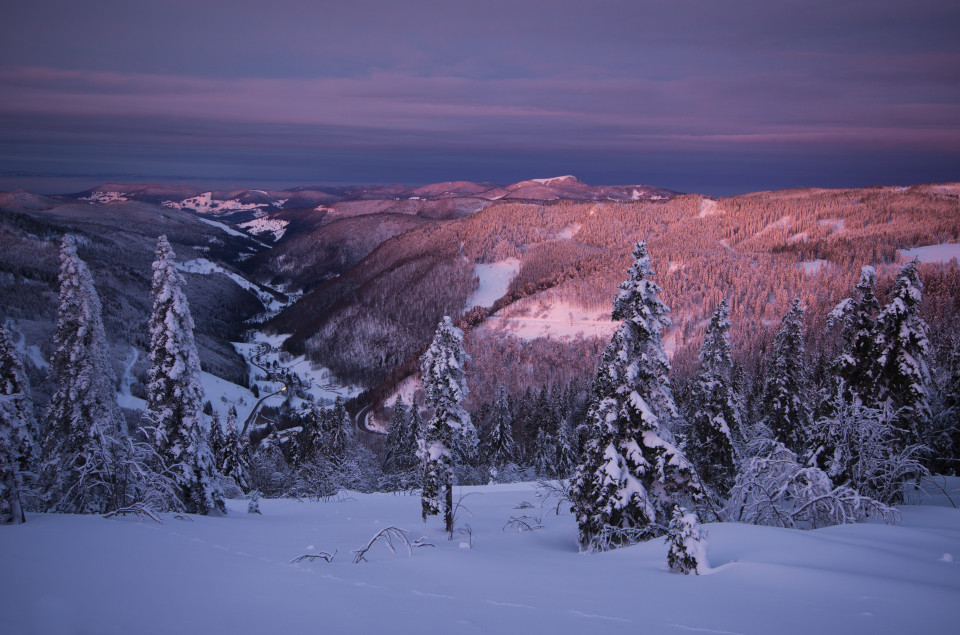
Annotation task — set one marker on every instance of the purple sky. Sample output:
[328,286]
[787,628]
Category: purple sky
[709,96]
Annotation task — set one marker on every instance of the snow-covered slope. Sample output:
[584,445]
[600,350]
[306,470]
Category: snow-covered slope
[933,253]
[84,574]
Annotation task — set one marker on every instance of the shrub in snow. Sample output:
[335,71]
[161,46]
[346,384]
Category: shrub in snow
[774,489]
[253,507]
[631,474]
[860,447]
[686,544]
[444,381]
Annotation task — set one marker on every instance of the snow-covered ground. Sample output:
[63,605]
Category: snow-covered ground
[813,267]
[206,204]
[233,574]
[533,318]
[933,253]
[317,381]
[708,207]
[208,267]
[494,281]
[273,226]
[105,197]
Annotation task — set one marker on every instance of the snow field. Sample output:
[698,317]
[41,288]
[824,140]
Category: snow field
[207,267]
[943,253]
[495,279]
[531,318]
[273,226]
[233,574]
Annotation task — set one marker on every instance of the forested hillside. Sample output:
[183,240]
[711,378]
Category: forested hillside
[759,251]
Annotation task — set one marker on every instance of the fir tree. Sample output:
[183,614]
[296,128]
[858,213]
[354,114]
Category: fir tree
[174,394]
[785,394]
[903,378]
[499,449]
[18,445]
[714,411]
[544,453]
[236,454]
[857,315]
[630,475]
[445,383]
[216,439]
[83,425]
[564,457]
[947,445]
[396,433]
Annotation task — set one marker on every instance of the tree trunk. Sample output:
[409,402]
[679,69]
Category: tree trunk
[448,508]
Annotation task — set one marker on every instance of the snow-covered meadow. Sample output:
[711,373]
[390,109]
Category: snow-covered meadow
[233,574]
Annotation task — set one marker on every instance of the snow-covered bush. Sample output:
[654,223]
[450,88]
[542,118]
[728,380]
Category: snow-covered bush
[687,545]
[774,489]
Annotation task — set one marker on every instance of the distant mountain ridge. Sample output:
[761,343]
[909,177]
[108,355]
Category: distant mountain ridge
[245,204]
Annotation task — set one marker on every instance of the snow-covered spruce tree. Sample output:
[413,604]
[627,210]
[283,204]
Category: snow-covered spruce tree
[947,444]
[686,545]
[445,383]
[216,439]
[631,474]
[83,425]
[564,458]
[785,395]
[499,448]
[395,433]
[857,317]
[714,414]
[235,462]
[174,411]
[18,442]
[901,372]
[544,453]
[401,447]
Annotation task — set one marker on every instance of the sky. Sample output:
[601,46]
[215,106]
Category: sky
[716,97]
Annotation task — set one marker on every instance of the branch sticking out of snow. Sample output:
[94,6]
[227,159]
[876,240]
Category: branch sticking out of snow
[390,535]
[322,555]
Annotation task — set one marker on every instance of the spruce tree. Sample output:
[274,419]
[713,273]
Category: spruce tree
[83,425]
[236,454]
[785,395]
[544,453]
[499,449]
[216,439]
[564,457]
[631,474]
[714,412]
[445,383]
[947,446]
[18,444]
[857,316]
[396,433]
[903,378]
[174,394]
